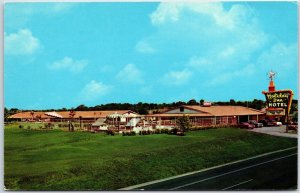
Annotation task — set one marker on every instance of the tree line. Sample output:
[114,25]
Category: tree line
[146,108]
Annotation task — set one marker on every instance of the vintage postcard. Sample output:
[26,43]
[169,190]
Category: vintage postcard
[166,96]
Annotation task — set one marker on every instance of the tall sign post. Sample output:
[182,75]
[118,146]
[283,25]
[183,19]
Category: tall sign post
[278,99]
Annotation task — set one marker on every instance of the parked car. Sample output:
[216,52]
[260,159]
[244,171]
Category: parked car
[278,123]
[293,126]
[255,123]
[245,125]
[268,123]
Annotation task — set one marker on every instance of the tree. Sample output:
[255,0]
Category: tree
[232,102]
[183,123]
[71,115]
[201,101]
[82,108]
[192,102]
[32,114]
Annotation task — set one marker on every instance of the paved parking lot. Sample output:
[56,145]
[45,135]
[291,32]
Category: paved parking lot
[277,131]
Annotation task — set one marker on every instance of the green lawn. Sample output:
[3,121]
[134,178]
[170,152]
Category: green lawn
[58,160]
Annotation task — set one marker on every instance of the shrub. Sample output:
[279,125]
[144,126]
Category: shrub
[173,131]
[164,131]
[180,133]
[157,131]
[28,127]
[183,123]
[49,126]
[147,132]
[21,126]
[132,133]
[110,132]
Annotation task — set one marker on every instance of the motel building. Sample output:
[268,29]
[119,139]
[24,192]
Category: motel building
[206,115]
[91,120]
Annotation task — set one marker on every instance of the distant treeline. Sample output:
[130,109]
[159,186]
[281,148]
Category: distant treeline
[146,108]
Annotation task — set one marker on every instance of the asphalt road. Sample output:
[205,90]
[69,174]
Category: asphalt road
[277,171]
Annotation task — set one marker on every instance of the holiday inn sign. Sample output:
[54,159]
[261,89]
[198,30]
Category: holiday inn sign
[279,99]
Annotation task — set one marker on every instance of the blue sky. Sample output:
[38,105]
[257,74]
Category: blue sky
[66,54]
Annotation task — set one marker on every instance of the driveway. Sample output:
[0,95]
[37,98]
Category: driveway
[277,131]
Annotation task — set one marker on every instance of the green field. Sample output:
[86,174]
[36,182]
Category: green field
[58,160]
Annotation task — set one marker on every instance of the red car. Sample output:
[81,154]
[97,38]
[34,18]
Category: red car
[268,123]
[245,125]
[293,126]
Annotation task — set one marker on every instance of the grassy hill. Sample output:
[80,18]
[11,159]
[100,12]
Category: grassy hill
[58,160]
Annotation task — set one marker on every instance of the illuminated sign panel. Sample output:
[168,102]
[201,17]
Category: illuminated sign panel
[279,99]
[280,112]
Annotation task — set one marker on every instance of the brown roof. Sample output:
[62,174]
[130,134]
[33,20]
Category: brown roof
[27,115]
[66,114]
[179,115]
[225,110]
[90,114]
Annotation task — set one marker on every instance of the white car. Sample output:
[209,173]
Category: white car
[278,123]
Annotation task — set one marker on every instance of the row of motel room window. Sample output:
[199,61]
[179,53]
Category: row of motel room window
[194,121]
[207,121]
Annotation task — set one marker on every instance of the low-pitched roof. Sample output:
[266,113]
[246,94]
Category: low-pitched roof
[66,114]
[99,122]
[179,115]
[213,111]
[133,122]
[226,110]
[28,115]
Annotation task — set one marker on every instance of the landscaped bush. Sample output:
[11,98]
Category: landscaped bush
[49,126]
[21,126]
[110,132]
[132,133]
[157,131]
[148,132]
[210,127]
[173,131]
[128,133]
[28,127]
[166,131]
[180,133]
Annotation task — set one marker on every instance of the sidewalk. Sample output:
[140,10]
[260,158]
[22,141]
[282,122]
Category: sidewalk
[276,131]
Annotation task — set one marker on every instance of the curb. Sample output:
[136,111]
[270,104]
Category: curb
[198,171]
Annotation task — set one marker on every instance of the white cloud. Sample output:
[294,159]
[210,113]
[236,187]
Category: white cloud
[165,11]
[211,37]
[21,43]
[19,14]
[172,11]
[144,47]
[27,9]
[177,77]
[67,63]
[225,77]
[199,63]
[94,90]
[130,74]
[281,58]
